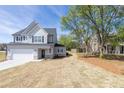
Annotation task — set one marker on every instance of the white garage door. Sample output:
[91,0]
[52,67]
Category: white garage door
[22,54]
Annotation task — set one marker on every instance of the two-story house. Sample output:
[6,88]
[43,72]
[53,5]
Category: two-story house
[35,42]
[108,48]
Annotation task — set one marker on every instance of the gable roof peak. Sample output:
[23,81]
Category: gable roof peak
[34,22]
[33,27]
[29,28]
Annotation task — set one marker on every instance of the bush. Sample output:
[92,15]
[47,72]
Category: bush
[114,57]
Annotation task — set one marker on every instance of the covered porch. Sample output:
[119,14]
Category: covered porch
[109,49]
[45,53]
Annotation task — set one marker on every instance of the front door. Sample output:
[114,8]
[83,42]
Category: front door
[43,53]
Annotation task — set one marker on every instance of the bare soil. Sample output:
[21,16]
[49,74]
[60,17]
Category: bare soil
[115,66]
[66,72]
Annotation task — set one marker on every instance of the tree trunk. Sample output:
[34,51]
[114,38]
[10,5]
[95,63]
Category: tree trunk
[86,50]
[101,51]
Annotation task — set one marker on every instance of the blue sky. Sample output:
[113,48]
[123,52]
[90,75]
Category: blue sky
[15,18]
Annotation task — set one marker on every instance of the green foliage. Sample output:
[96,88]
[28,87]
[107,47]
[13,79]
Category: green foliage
[67,40]
[77,26]
[118,37]
[83,21]
[120,34]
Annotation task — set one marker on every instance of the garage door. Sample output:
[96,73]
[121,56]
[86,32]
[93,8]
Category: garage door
[22,54]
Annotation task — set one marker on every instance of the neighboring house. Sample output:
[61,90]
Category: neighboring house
[2,47]
[35,42]
[108,48]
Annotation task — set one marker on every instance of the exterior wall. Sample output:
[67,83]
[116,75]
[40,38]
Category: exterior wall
[94,44]
[54,38]
[49,54]
[28,40]
[115,50]
[41,33]
[11,48]
[60,52]
[108,48]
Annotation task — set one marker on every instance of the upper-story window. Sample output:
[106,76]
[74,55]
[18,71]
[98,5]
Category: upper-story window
[20,38]
[17,38]
[42,38]
[50,38]
[37,38]
[24,38]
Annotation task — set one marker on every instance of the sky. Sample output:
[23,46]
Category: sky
[15,18]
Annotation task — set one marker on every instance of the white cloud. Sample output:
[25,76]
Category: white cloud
[58,11]
[18,17]
[13,22]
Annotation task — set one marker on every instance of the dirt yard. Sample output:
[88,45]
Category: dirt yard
[113,65]
[62,73]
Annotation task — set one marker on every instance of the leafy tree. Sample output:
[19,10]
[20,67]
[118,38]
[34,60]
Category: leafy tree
[104,20]
[120,34]
[117,38]
[77,26]
[71,22]
[67,40]
[101,20]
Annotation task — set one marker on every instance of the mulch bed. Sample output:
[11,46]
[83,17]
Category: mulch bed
[109,65]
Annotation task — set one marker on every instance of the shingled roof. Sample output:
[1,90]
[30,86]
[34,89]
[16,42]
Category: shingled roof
[33,27]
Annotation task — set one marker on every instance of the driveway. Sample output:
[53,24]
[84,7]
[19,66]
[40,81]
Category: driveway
[63,73]
[12,63]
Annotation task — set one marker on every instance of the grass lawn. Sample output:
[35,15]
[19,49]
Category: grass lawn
[2,56]
[113,63]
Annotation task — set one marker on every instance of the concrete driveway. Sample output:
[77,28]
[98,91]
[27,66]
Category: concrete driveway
[12,63]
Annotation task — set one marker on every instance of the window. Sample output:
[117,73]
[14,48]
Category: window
[58,50]
[61,50]
[42,38]
[23,37]
[39,38]
[49,50]
[35,38]
[17,38]
[50,38]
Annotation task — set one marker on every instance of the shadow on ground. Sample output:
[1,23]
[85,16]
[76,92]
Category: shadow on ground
[67,55]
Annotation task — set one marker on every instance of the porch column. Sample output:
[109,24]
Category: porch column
[117,50]
[106,49]
[35,53]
